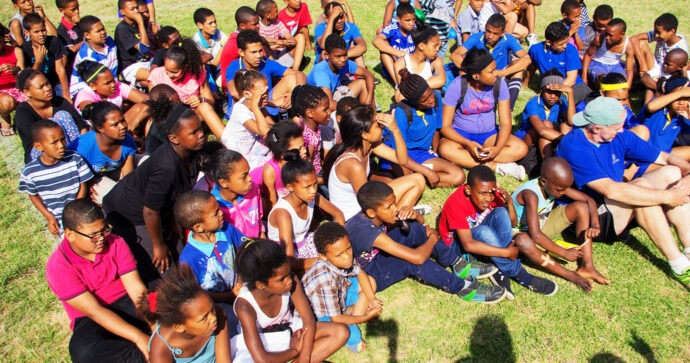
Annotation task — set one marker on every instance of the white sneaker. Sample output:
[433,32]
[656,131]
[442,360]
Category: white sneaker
[532,39]
[511,169]
[422,209]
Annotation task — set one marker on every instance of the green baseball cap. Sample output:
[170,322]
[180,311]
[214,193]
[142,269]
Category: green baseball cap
[602,111]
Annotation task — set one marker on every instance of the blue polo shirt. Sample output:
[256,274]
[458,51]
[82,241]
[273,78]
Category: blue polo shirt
[663,129]
[546,59]
[397,40]
[350,33]
[506,45]
[537,107]
[214,263]
[419,134]
[323,76]
[592,162]
[580,31]
[267,67]
[631,120]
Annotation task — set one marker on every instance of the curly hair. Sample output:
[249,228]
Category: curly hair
[187,56]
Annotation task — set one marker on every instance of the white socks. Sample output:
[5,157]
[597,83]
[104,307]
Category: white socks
[679,264]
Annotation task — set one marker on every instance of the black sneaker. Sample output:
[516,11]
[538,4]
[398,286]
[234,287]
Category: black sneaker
[542,286]
[500,279]
[476,269]
[481,293]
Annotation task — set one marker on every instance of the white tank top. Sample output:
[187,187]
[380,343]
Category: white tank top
[605,56]
[426,70]
[300,227]
[342,194]
[263,321]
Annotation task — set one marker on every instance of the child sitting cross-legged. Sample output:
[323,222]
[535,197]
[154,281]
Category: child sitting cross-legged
[478,218]
[605,53]
[290,219]
[276,319]
[391,244]
[210,249]
[285,49]
[543,220]
[337,287]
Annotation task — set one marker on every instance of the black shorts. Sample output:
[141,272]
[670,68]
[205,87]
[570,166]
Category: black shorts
[607,227]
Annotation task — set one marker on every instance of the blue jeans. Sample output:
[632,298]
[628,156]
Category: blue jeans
[387,269]
[496,230]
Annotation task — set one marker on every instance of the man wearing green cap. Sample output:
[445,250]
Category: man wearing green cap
[597,150]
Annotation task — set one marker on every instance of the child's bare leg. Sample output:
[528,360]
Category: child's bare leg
[360,61]
[305,33]
[359,89]
[514,150]
[388,62]
[456,153]
[287,84]
[450,175]
[208,115]
[135,115]
[587,269]
[328,339]
[578,213]
[408,189]
[545,148]
[298,50]
[7,105]
[537,256]
[531,15]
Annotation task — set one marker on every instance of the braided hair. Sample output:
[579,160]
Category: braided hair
[412,86]
[306,97]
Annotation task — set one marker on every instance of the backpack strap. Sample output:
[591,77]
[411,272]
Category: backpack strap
[497,91]
[407,109]
[463,91]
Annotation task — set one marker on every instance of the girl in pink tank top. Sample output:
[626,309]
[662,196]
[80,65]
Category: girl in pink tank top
[286,143]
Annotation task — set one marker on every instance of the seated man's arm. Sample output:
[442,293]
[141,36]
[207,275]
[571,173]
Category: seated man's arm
[633,194]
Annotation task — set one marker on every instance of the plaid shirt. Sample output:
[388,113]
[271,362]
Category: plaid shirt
[326,287]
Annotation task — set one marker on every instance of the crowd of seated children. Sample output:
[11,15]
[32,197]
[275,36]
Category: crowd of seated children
[297,150]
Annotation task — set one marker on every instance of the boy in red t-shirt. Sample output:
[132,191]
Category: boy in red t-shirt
[297,19]
[246,19]
[479,216]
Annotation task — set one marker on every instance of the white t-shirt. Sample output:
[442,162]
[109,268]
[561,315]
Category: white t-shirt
[238,138]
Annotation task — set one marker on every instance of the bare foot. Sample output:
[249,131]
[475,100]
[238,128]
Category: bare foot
[581,282]
[593,274]
[359,347]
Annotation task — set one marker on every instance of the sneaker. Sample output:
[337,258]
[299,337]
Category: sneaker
[532,39]
[481,293]
[478,270]
[378,108]
[511,169]
[377,81]
[548,287]
[422,209]
[684,277]
[500,279]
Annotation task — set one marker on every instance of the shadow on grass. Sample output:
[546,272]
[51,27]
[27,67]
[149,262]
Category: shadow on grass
[606,357]
[660,263]
[385,328]
[490,341]
[642,347]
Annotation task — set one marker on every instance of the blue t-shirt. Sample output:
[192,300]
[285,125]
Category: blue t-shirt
[631,120]
[267,67]
[420,133]
[87,146]
[662,135]
[564,62]
[363,232]
[397,40]
[349,34]
[323,76]
[536,107]
[501,51]
[592,162]
[580,31]
[214,264]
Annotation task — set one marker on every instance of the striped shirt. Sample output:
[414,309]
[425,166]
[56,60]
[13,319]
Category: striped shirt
[276,30]
[56,184]
[109,59]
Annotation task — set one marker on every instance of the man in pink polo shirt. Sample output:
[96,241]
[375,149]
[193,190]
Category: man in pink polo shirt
[94,275]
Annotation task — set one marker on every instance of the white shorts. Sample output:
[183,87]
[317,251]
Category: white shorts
[130,73]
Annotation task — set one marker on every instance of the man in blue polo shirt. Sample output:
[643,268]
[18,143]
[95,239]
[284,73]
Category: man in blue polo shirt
[511,59]
[597,150]
[252,58]
[336,74]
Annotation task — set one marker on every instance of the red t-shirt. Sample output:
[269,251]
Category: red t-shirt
[7,79]
[300,19]
[459,213]
[228,55]
[70,275]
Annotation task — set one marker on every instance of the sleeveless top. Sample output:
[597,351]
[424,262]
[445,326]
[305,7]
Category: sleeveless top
[7,79]
[544,206]
[264,322]
[19,17]
[605,56]
[425,73]
[301,238]
[281,191]
[342,194]
[207,353]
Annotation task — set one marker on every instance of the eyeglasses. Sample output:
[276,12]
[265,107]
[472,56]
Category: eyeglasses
[95,238]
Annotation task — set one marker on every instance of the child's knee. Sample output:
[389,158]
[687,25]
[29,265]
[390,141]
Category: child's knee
[581,209]
[524,242]
[7,103]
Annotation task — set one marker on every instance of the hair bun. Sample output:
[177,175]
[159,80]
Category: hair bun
[404,74]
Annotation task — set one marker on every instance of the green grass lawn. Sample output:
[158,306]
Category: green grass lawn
[643,316]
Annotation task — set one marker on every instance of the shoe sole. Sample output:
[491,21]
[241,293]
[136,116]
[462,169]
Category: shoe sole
[554,290]
[487,275]
[509,295]
[505,292]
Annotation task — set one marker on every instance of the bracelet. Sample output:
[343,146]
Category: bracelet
[202,99]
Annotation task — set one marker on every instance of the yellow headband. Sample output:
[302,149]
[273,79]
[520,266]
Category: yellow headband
[614,87]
